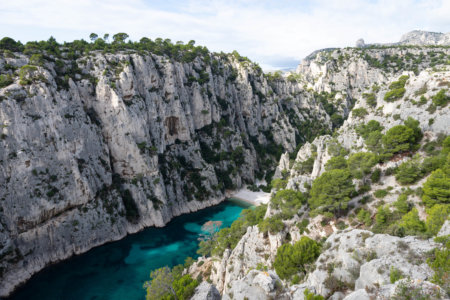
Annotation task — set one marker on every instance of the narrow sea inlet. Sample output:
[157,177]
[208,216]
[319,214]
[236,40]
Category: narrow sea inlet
[117,270]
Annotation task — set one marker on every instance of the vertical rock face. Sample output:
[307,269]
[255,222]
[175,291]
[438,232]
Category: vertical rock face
[129,141]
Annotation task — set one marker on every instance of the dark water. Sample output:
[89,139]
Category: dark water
[117,271]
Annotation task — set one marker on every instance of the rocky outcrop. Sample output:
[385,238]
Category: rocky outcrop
[420,37]
[357,259]
[248,253]
[206,291]
[354,264]
[414,38]
[129,141]
[255,285]
[408,289]
[433,122]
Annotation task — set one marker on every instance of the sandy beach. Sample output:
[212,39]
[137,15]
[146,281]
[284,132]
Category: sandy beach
[255,198]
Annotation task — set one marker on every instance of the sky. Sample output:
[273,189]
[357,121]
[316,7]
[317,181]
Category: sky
[277,34]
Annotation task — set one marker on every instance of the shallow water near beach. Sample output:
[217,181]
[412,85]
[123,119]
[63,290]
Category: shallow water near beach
[118,270]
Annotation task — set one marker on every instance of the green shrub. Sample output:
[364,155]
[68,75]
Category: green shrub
[398,139]
[361,163]
[376,174]
[422,100]
[436,189]
[402,205]
[374,143]
[395,274]
[396,117]
[359,112]
[364,217]
[295,279]
[336,149]
[279,184]
[363,188]
[5,80]
[161,284]
[383,219]
[311,296]
[440,264]
[168,284]
[414,125]
[292,259]
[371,99]
[380,194]
[185,287]
[390,171]
[441,99]
[288,201]
[430,148]
[302,226]
[433,163]
[25,74]
[179,51]
[437,215]
[37,60]
[336,162]
[365,129]
[305,167]
[10,44]
[396,89]
[399,83]
[332,191]
[238,156]
[393,95]
[409,289]
[383,214]
[272,225]
[411,223]
[409,172]
[446,145]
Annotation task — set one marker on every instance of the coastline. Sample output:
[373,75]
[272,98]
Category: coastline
[253,198]
[243,194]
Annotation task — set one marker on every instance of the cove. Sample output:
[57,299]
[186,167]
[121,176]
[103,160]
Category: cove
[117,270]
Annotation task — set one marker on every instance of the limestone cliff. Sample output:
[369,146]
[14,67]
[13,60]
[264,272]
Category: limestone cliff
[127,141]
[355,263]
[100,145]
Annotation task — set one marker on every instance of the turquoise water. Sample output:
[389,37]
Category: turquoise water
[116,271]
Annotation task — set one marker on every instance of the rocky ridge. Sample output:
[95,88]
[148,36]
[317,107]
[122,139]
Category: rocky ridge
[420,37]
[355,264]
[415,38]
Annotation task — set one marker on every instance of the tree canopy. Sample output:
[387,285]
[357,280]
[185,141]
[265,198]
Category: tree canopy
[437,215]
[436,189]
[336,162]
[77,48]
[288,201]
[332,191]
[361,163]
[169,284]
[398,139]
[292,259]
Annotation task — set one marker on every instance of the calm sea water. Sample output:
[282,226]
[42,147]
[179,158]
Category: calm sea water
[117,271]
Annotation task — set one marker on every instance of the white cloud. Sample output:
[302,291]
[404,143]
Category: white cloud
[266,32]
